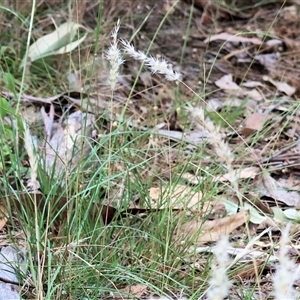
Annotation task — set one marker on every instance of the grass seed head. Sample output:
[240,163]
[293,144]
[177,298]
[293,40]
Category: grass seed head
[219,282]
[114,56]
[155,65]
[287,271]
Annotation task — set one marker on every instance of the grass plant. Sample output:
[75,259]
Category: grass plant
[70,251]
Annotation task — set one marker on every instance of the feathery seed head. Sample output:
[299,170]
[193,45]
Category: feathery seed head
[287,271]
[219,282]
[113,55]
[159,66]
[130,50]
[114,33]
[155,65]
[174,76]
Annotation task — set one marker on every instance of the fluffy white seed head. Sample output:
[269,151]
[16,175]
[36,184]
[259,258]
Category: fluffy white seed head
[222,149]
[113,55]
[114,33]
[287,271]
[155,65]
[219,282]
[130,50]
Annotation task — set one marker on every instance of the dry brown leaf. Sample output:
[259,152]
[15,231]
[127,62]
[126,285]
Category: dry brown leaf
[68,143]
[281,86]
[194,137]
[226,83]
[268,186]
[259,204]
[253,94]
[290,13]
[232,38]
[211,231]
[252,84]
[180,196]
[146,78]
[137,290]
[254,123]
[3,215]
[249,172]
[267,60]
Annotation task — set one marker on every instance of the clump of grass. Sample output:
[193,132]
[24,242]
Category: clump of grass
[222,149]
[138,250]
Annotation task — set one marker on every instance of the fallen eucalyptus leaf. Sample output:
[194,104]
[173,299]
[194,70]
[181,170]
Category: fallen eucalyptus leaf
[56,42]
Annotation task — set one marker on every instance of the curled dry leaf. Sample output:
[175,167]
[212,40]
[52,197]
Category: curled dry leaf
[232,38]
[3,215]
[251,254]
[69,142]
[268,186]
[253,94]
[281,86]
[211,231]
[252,84]
[56,42]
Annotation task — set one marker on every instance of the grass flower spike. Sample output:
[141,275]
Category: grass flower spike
[286,273]
[155,65]
[113,55]
[221,148]
[219,282]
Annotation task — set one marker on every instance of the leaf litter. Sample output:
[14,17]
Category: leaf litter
[260,162]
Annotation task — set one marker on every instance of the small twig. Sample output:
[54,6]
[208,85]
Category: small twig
[292,145]
[5,280]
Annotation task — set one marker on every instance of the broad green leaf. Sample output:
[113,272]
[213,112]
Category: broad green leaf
[70,47]
[292,214]
[10,82]
[4,107]
[231,207]
[278,215]
[255,216]
[56,42]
